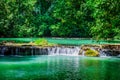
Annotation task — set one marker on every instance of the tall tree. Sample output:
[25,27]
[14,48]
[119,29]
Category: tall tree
[72,18]
[107,18]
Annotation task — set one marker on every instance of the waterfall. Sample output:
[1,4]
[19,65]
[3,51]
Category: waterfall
[63,50]
[25,51]
[3,50]
[16,51]
[57,50]
[83,53]
[31,51]
[102,53]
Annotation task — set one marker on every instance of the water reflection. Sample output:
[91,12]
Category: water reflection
[61,68]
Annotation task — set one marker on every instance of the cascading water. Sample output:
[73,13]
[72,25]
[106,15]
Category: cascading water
[3,50]
[102,53]
[74,50]
[63,51]
[58,50]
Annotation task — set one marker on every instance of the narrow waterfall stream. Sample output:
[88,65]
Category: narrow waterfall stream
[103,54]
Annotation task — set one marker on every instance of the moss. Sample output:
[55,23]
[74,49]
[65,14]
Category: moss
[43,42]
[38,43]
[91,53]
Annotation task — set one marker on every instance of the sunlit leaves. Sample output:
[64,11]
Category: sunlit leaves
[106,14]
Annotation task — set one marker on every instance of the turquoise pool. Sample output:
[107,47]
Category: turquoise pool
[71,41]
[59,68]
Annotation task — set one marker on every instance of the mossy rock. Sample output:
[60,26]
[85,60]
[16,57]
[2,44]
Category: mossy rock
[85,48]
[1,43]
[111,46]
[41,42]
[91,53]
[80,52]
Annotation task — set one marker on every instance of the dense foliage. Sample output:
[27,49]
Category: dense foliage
[60,18]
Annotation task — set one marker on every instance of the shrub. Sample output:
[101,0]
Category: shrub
[42,42]
[91,53]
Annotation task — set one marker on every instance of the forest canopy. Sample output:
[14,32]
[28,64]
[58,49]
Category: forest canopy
[99,19]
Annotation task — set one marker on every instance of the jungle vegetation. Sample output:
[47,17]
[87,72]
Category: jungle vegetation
[99,19]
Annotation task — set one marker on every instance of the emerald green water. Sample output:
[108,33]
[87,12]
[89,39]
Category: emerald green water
[63,40]
[59,68]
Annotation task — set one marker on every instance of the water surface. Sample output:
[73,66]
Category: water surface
[59,68]
[65,41]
